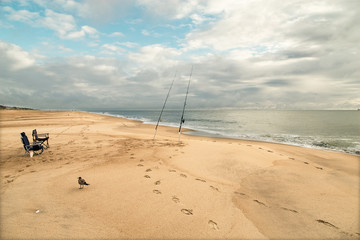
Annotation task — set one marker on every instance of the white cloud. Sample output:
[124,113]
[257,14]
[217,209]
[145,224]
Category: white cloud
[64,24]
[103,11]
[112,49]
[150,33]
[61,23]
[68,5]
[65,49]
[198,19]
[116,34]
[85,31]
[155,56]
[271,25]
[145,32]
[173,9]
[17,58]
[239,28]
[20,15]
[50,47]
[89,30]
[74,35]
[107,69]
[128,44]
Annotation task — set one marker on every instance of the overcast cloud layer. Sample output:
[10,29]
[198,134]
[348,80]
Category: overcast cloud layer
[262,54]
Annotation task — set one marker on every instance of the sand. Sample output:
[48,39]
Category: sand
[140,188]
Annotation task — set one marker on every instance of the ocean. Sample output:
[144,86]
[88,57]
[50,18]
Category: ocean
[324,129]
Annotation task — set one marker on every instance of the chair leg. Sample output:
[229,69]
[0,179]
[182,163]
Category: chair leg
[41,151]
[45,144]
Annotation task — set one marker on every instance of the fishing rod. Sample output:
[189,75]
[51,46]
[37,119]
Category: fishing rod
[187,92]
[164,106]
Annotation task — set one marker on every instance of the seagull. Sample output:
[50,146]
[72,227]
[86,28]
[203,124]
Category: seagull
[82,182]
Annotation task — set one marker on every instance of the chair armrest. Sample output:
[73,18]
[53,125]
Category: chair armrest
[43,135]
[31,145]
[34,144]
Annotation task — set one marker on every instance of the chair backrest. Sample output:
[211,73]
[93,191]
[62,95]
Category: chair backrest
[34,135]
[24,139]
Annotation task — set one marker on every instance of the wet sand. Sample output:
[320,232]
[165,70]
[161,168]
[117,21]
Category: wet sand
[140,188]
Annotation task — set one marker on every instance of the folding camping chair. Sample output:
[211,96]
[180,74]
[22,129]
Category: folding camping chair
[36,147]
[42,138]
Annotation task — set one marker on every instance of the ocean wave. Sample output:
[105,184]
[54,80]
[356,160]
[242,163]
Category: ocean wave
[302,130]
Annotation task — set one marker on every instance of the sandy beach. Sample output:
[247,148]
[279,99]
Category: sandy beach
[140,188]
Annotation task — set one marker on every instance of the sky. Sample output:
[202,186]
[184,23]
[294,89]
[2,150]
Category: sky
[124,54]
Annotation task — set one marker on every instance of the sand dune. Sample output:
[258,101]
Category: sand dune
[199,188]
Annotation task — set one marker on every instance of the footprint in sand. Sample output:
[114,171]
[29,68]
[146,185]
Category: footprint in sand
[156,191]
[175,199]
[141,160]
[261,203]
[147,176]
[213,225]
[140,165]
[306,162]
[172,170]
[187,211]
[148,170]
[319,168]
[291,158]
[157,182]
[291,210]
[214,188]
[183,175]
[241,194]
[326,223]
[201,180]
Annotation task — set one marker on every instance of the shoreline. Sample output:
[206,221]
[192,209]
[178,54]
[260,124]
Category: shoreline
[199,188]
[202,133]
